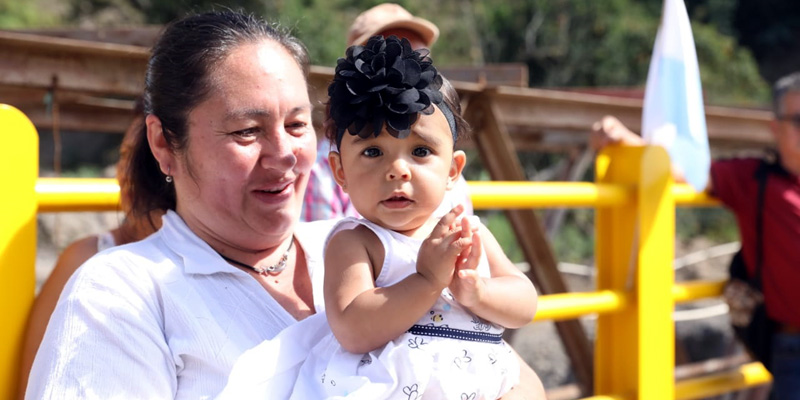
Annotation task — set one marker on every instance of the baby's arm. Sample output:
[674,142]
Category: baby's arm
[364,317]
[507,298]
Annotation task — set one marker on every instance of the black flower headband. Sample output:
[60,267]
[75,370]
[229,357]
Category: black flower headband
[384,82]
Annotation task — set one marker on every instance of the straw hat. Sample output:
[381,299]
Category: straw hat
[389,16]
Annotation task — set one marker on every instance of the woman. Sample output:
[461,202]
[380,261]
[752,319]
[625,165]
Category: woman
[227,148]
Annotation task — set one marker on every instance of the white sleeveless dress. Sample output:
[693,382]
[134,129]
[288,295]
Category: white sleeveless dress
[448,354]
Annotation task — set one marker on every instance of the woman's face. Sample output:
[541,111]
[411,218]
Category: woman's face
[241,179]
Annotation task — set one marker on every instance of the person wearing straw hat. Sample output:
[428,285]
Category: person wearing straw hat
[392,19]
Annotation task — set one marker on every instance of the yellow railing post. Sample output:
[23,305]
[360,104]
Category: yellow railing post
[634,247]
[19,160]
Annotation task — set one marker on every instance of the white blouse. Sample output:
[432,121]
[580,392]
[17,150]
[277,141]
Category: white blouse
[163,318]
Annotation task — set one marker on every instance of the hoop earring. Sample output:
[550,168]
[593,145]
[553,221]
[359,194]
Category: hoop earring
[168,178]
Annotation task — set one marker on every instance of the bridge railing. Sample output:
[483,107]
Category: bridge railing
[634,198]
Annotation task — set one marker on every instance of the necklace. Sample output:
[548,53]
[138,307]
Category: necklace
[273,269]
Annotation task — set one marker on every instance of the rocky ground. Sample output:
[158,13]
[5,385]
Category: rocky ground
[702,329]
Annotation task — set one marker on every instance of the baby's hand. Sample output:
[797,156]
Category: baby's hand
[440,252]
[467,287]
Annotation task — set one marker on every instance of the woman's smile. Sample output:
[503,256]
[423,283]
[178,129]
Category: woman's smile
[276,194]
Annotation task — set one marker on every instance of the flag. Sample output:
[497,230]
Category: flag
[673,115]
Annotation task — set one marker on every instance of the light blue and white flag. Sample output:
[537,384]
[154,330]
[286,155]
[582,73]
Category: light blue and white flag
[673,115]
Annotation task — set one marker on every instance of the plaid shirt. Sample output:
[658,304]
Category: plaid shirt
[324,198]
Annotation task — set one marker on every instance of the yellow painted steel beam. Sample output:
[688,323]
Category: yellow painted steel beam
[97,194]
[77,194]
[654,276]
[577,304]
[606,397]
[19,167]
[516,194]
[573,305]
[685,195]
[696,290]
[746,376]
[634,350]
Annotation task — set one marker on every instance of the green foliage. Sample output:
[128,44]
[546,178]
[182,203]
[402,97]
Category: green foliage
[770,29]
[609,43]
[84,171]
[574,242]
[15,14]
[717,224]
[716,13]
[320,25]
[568,43]
[729,72]
[114,12]
[498,224]
[564,42]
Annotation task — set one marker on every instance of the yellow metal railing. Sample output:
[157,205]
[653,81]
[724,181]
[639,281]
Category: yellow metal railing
[635,297]
[77,194]
[19,162]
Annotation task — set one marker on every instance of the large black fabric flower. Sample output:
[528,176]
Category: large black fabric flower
[384,82]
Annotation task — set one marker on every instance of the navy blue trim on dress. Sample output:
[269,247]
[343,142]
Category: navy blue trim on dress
[445,332]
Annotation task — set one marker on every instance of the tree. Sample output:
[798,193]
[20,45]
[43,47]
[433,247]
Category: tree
[578,43]
[770,28]
[102,13]
[16,14]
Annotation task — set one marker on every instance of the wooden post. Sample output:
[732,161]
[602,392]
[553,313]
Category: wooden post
[498,155]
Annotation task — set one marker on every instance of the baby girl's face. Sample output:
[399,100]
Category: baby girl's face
[398,183]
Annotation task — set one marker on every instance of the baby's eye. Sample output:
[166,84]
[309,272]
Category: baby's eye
[372,152]
[421,152]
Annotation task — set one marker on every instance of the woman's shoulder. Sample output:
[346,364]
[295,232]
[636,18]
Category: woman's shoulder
[132,262]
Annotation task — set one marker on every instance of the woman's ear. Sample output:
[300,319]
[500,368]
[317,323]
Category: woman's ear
[158,144]
[335,160]
[459,161]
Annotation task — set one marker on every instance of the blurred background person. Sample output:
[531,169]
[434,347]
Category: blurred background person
[768,234]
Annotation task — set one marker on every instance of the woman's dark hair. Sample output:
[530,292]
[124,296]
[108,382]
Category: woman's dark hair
[179,78]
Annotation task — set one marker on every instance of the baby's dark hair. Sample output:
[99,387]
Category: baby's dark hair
[385,84]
